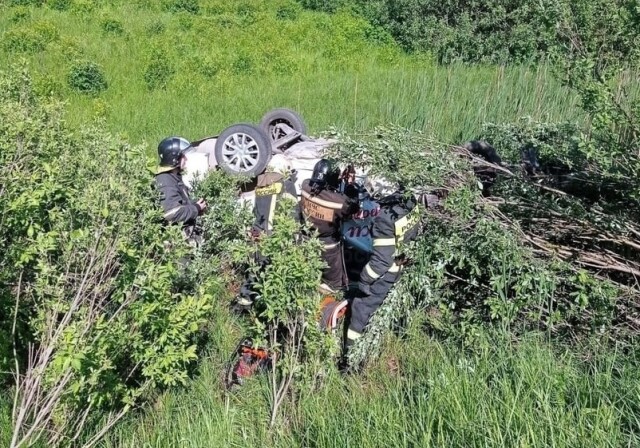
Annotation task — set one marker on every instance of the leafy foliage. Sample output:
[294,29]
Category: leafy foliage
[287,305]
[87,270]
[87,77]
[30,38]
[190,6]
[475,265]
[497,31]
[159,70]
[112,26]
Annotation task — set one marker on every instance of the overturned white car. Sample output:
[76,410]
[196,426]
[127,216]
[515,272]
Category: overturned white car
[280,140]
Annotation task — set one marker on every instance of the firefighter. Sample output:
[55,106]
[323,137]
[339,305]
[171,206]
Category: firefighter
[324,207]
[272,185]
[178,207]
[396,224]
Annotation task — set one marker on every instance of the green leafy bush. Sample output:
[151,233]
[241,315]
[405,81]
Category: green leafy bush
[325,5]
[25,2]
[87,77]
[19,14]
[30,38]
[59,5]
[87,265]
[479,265]
[288,11]
[159,69]
[190,6]
[497,31]
[155,28]
[112,26]
[83,7]
[243,64]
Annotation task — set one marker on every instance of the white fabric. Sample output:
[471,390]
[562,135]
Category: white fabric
[196,167]
[279,164]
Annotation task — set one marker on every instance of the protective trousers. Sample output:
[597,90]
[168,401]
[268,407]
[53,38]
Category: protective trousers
[248,292]
[335,275]
[364,305]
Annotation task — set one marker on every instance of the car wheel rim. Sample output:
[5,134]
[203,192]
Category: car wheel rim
[240,152]
[275,132]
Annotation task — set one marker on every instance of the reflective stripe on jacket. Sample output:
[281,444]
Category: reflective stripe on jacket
[267,196]
[395,224]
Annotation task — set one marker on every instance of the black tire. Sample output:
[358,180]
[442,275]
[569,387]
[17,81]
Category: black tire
[286,116]
[485,150]
[243,150]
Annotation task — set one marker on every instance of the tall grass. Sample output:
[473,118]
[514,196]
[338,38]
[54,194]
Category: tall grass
[422,392]
[5,420]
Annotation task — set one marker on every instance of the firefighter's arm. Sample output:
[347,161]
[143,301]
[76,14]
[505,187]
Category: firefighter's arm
[174,211]
[384,247]
[350,206]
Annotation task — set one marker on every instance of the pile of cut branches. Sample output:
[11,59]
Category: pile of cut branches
[510,244]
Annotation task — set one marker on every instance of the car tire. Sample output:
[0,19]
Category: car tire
[243,150]
[286,116]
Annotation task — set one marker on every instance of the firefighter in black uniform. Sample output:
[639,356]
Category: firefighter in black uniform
[324,207]
[396,224]
[272,185]
[177,205]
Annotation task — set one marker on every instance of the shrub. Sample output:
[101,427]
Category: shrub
[59,5]
[83,6]
[19,14]
[287,305]
[155,28]
[48,86]
[497,31]
[70,48]
[112,26]
[324,5]
[30,39]
[529,262]
[289,11]
[190,6]
[247,13]
[87,77]
[159,70]
[23,40]
[185,20]
[243,64]
[25,2]
[85,262]
[208,66]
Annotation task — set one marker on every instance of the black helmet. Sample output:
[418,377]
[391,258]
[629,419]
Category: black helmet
[324,175]
[171,149]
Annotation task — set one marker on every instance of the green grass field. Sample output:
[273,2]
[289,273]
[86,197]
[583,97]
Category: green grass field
[225,71]
[233,62]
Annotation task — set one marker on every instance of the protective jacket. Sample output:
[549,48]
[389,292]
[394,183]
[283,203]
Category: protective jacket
[396,224]
[325,211]
[270,189]
[177,205]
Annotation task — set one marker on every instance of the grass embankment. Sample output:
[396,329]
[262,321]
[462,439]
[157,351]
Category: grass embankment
[422,392]
[235,60]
